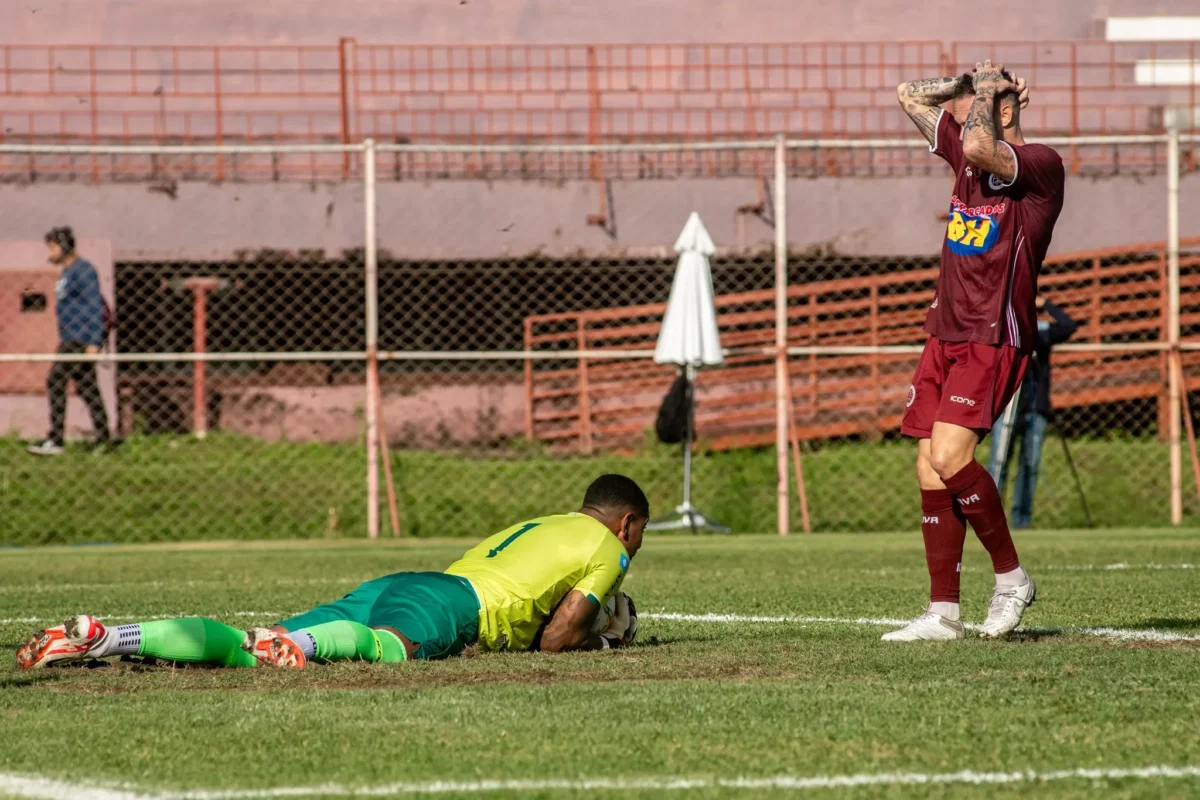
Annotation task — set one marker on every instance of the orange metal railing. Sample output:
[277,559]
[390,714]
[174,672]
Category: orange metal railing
[1118,295]
[582,93]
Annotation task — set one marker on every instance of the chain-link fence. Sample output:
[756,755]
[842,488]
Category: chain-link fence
[458,358]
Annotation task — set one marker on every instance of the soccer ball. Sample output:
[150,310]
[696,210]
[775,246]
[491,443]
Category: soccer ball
[609,610]
[605,614]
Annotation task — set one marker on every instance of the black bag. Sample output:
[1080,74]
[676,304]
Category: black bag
[671,424]
[110,322]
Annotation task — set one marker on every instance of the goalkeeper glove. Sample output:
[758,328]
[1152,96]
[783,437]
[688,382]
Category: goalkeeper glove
[622,625]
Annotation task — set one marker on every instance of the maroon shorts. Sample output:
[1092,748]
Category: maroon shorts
[962,383]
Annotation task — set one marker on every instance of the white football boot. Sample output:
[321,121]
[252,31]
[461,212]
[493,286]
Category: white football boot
[1006,608]
[929,627]
[70,641]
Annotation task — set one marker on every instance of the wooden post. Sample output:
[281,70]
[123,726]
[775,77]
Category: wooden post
[200,288]
[781,320]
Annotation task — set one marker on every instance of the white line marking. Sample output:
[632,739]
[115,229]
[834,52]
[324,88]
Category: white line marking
[888,622]
[143,617]
[1115,567]
[70,587]
[51,789]
[355,580]
[1123,634]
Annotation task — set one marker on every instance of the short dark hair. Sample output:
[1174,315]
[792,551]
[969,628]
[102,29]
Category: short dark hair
[618,494]
[64,237]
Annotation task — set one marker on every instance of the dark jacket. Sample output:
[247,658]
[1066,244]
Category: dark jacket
[79,306]
[1035,392]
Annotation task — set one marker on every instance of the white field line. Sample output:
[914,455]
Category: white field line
[167,584]
[356,579]
[1123,634]
[143,617]
[889,622]
[51,789]
[1113,567]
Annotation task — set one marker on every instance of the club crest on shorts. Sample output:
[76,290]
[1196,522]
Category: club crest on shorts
[912,396]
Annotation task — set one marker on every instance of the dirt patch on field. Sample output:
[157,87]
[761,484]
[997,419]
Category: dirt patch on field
[133,676]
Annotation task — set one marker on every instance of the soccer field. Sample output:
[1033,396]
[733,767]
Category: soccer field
[758,671]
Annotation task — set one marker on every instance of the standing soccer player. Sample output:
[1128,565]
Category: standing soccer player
[982,326]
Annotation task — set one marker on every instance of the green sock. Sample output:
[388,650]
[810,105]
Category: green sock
[390,647]
[195,639]
[350,641]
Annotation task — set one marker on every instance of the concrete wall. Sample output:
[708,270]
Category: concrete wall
[431,416]
[554,21]
[474,219]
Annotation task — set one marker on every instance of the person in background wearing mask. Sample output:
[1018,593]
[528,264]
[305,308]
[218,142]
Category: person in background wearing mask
[81,329]
[1028,415]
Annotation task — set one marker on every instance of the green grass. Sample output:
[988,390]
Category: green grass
[691,699]
[175,488]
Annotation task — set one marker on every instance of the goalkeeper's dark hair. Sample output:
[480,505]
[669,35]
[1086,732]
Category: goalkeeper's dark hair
[616,494]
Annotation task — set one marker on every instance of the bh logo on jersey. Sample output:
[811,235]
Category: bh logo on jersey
[970,235]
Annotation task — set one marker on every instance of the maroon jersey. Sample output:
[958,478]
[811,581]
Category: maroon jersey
[996,238]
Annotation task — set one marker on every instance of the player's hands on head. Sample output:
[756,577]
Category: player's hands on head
[991,77]
[1022,89]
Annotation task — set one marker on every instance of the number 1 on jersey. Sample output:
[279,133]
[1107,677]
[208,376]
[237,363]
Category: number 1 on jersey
[526,528]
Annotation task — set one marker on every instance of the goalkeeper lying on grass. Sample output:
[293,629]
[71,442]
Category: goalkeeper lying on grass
[540,585]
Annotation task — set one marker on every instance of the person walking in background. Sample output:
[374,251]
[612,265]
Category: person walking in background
[82,327]
[1028,415]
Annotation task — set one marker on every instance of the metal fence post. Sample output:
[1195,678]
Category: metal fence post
[1174,379]
[781,320]
[370,257]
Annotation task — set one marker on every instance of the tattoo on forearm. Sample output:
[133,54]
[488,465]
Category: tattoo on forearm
[979,122]
[921,99]
[926,122]
[934,91]
[979,130]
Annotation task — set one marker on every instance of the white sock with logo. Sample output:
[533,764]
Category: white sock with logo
[304,640]
[947,610]
[1015,577]
[119,640]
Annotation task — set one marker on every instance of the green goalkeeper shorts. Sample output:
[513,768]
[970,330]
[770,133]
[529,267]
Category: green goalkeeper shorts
[438,613]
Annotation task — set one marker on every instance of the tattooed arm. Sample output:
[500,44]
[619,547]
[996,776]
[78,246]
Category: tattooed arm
[921,100]
[982,146]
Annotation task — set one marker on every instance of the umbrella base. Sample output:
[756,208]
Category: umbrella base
[687,517]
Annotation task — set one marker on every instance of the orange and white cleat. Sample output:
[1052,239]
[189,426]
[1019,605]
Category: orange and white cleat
[274,649]
[70,641]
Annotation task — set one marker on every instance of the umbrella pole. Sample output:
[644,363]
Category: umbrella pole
[690,517]
[687,516]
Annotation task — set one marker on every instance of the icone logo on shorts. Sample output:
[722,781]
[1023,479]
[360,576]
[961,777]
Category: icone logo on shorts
[912,396]
[966,401]
[972,229]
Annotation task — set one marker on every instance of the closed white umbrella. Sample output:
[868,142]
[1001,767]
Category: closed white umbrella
[689,335]
[689,338]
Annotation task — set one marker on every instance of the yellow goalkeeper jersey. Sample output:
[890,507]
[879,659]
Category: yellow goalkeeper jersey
[522,573]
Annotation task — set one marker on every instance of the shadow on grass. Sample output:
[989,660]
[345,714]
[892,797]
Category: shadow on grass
[25,680]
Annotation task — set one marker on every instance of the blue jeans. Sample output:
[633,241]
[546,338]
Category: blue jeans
[1030,427]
